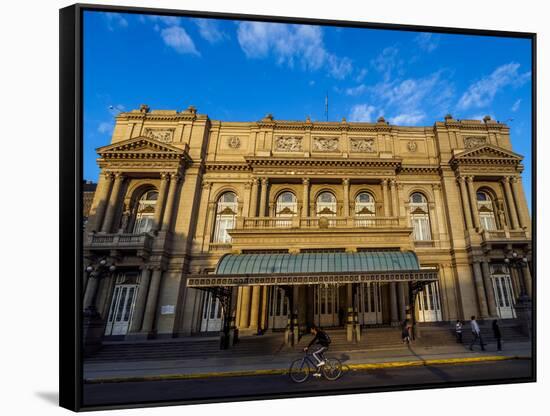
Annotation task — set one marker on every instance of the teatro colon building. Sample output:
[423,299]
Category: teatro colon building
[278,225]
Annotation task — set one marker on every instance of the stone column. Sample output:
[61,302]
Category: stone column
[139,308]
[527,280]
[401,300]
[263,321]
[102,195]
[167,218]
[263,197]
[91,288]
[491,304]
[511,203]
[473,201]
[439,212]
[465,202]
[305,197]
[386,197]
[255,308]
[253,210]
[152,300]
[345,184]
[521,204]
[157,218]
[112,205]
[478,280]
[245,307]
[393,301]
[394,203]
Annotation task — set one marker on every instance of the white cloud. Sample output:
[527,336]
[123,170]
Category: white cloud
[362,112]
[427,41]
[355,91]
[481,93]
[291,45]
[361,75]
[165,20]
[105,127]
[209,30]
[177,38]
[387,62]
[408,118]
[516,105]
[115,20]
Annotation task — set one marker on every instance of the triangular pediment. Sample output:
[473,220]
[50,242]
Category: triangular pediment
[488,151]
[139,145]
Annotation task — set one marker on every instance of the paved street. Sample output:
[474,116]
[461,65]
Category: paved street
[125,392]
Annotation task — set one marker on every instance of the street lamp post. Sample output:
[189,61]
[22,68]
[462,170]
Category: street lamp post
[93,322]
[523,304]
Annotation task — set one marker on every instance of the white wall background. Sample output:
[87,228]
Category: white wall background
[29,207]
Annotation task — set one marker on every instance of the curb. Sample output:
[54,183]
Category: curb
[279,371]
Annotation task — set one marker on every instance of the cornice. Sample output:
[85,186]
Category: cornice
[312,162]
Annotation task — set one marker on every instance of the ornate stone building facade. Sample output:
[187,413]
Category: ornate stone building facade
[309,220]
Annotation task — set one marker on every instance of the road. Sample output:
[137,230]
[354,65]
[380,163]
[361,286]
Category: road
[228,387]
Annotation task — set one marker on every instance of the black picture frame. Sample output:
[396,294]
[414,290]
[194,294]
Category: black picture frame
[70,182]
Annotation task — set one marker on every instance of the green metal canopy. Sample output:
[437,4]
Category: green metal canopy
[285,263]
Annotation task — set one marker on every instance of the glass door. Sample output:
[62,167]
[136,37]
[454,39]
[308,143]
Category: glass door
[121,310]
[369,301]
[326,306]
[278,308]
[428,304]
[212,318]
[503,290]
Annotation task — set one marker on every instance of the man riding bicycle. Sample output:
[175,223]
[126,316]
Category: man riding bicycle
[321,342]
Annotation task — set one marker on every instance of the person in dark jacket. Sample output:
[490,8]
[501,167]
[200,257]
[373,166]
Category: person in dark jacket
[320,342]
[406,332]
[497,334]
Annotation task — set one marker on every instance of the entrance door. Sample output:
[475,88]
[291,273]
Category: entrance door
[122,306]
[211,313]
[504,293]
[278,308]
[327,304]
[428,304]
[369,301]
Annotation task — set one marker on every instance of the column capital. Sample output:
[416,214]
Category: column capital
[345,181]
[505,179]
[384,182]
[461,179]
[176,177]
[254,181]
[108,176]
[248,185]
[436,187]
[305,181]
[514,179]
[164,176]
[470,179]
[393,182]
[265,181]
[206,185]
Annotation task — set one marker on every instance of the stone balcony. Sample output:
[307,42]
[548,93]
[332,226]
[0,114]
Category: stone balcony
[141,244]
[504,236]
[264,233]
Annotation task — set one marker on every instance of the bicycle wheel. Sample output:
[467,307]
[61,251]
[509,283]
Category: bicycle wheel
[332,370]
[299,370]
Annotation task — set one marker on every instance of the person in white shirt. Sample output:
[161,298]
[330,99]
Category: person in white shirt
[458,331]
[476,334]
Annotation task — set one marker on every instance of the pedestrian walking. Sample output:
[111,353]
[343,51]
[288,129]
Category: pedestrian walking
[458,331]
[476,334]
[406,332]
[497,334]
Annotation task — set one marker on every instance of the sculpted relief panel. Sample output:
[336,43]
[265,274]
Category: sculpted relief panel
[160,134]
[325,144]
[471,142]
[363,145]
[288,144]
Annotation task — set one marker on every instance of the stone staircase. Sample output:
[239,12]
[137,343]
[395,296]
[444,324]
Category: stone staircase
[272,343]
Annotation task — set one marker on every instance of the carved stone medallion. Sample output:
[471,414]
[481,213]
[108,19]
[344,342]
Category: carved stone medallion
[288,143]
[412,146]
[325,144]
[471,142]
[362,145]
[162,135]
[234,142]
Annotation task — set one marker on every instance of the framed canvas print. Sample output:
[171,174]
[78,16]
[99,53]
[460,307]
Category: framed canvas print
[259,207]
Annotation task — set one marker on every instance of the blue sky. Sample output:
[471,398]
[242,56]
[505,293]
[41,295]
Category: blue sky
[239,71]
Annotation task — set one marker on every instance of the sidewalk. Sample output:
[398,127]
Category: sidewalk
[278,364]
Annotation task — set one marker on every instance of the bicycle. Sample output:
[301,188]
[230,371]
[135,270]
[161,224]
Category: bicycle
[301,368]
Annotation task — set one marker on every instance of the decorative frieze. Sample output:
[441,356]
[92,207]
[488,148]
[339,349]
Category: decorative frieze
[471,142]
[162,135]
[288,143]
[363,145]
[325,144]
[234,142]
[412,146]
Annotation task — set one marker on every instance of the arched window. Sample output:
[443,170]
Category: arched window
[364,208]
[226,213]
[326,205]
[145,211]
[420,217]
[486,211]
[286,205]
